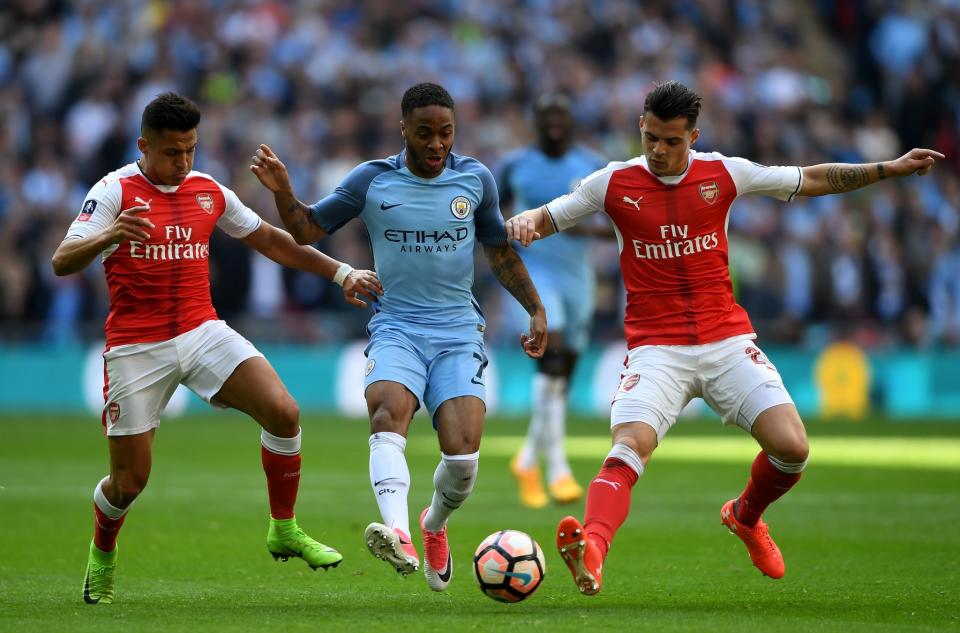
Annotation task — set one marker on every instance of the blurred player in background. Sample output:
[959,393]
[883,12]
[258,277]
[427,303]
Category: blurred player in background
[424,209]
[686,335]
[565,278]
[151,222]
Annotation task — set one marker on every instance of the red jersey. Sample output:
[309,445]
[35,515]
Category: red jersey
[160,288]
[672,233]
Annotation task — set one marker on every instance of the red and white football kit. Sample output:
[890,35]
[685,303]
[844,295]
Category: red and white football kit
[162,329]
[686,334]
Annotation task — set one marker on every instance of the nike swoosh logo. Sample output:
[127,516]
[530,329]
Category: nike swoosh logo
[86,592]
[526,578]
[385,207]
[377,483]
[445,577]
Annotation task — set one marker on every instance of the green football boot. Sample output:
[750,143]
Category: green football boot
[286,540]
[98,581]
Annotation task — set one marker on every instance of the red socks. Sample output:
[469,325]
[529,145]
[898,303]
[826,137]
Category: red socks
[283,481]
[608,502]
[767,484]
[105,530]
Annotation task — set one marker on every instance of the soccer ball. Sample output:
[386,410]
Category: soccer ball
[509,566]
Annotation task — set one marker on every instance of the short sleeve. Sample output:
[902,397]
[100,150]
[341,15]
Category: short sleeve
[100,208]
[586,199]
[348,199]
[488,219]
[238,220]
[782,183]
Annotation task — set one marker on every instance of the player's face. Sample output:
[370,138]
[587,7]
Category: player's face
[554,130]
[428,132]
[666,144]
[168,155]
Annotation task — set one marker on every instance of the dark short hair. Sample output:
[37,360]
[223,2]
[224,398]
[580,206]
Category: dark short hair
[170,111]
[423,95]
[671,99]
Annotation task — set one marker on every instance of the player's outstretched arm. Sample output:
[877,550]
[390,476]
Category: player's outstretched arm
[74,255]
[512,275]
[279,246]
[272,174]
[827,178]
[533,224]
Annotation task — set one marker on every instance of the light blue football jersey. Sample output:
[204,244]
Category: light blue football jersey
[423,232]
[529,179]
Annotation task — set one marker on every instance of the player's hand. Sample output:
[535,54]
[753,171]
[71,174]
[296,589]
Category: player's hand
[522,228]
[916,161]
[270,170]
[535,343]
[129,225]
[359,284]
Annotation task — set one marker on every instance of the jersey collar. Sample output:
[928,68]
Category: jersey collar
[669,180]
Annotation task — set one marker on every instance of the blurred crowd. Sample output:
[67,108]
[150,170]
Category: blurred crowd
[784,82]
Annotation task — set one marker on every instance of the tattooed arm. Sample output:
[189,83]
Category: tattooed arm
[827,178]
[272,173]
[513,275]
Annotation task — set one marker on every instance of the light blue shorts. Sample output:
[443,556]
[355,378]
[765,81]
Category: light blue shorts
[435,364]
[569,304]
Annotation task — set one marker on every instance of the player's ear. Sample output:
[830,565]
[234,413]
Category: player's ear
[403,128]
[142,144]
[694,135]
[641,122]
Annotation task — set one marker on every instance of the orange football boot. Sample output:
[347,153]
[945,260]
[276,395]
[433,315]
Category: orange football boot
[581,555]
[565,489]
[532,494]
[763,551]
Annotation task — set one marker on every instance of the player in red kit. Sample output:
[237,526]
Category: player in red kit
[686,335]
[151,222]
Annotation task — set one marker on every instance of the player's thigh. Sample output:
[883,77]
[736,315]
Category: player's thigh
[739,382]
[255,389]
[459,423]
[131,460]
[458,370]
[655,386]
[210,354]
[395,377]
[139,380]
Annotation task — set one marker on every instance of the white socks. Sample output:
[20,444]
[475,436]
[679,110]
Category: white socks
[547,430]
[390,478]
[452,482]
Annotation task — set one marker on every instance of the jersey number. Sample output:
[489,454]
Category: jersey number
[478,379]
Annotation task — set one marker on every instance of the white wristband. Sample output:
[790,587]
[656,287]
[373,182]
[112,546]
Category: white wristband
[341,274]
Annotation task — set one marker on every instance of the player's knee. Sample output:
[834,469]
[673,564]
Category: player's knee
[128,487]
[385,420]
[284,415]
[557,360]
[793,450]
[637,436]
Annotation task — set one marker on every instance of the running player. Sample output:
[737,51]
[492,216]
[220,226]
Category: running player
[686,335]
[564,276]
[424,209]
[151,222]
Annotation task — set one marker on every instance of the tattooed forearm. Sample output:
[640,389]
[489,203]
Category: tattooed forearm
[296,218]
[847,177]
[881,173]
[513,275]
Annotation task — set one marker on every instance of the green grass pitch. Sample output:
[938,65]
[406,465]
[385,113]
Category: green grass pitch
[871,535]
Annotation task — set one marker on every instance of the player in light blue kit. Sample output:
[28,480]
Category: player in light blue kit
[424,209]
[527,179]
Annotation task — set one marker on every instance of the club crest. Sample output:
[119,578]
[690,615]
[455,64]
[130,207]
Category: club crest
[369,368]
[205,200]
[709,191]
[114,411]
[629,382]
[460,207]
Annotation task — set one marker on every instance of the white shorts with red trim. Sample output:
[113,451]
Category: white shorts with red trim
[140,378]
[733,376]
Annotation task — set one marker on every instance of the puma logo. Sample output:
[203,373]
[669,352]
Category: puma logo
[614,484]
[635,203]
